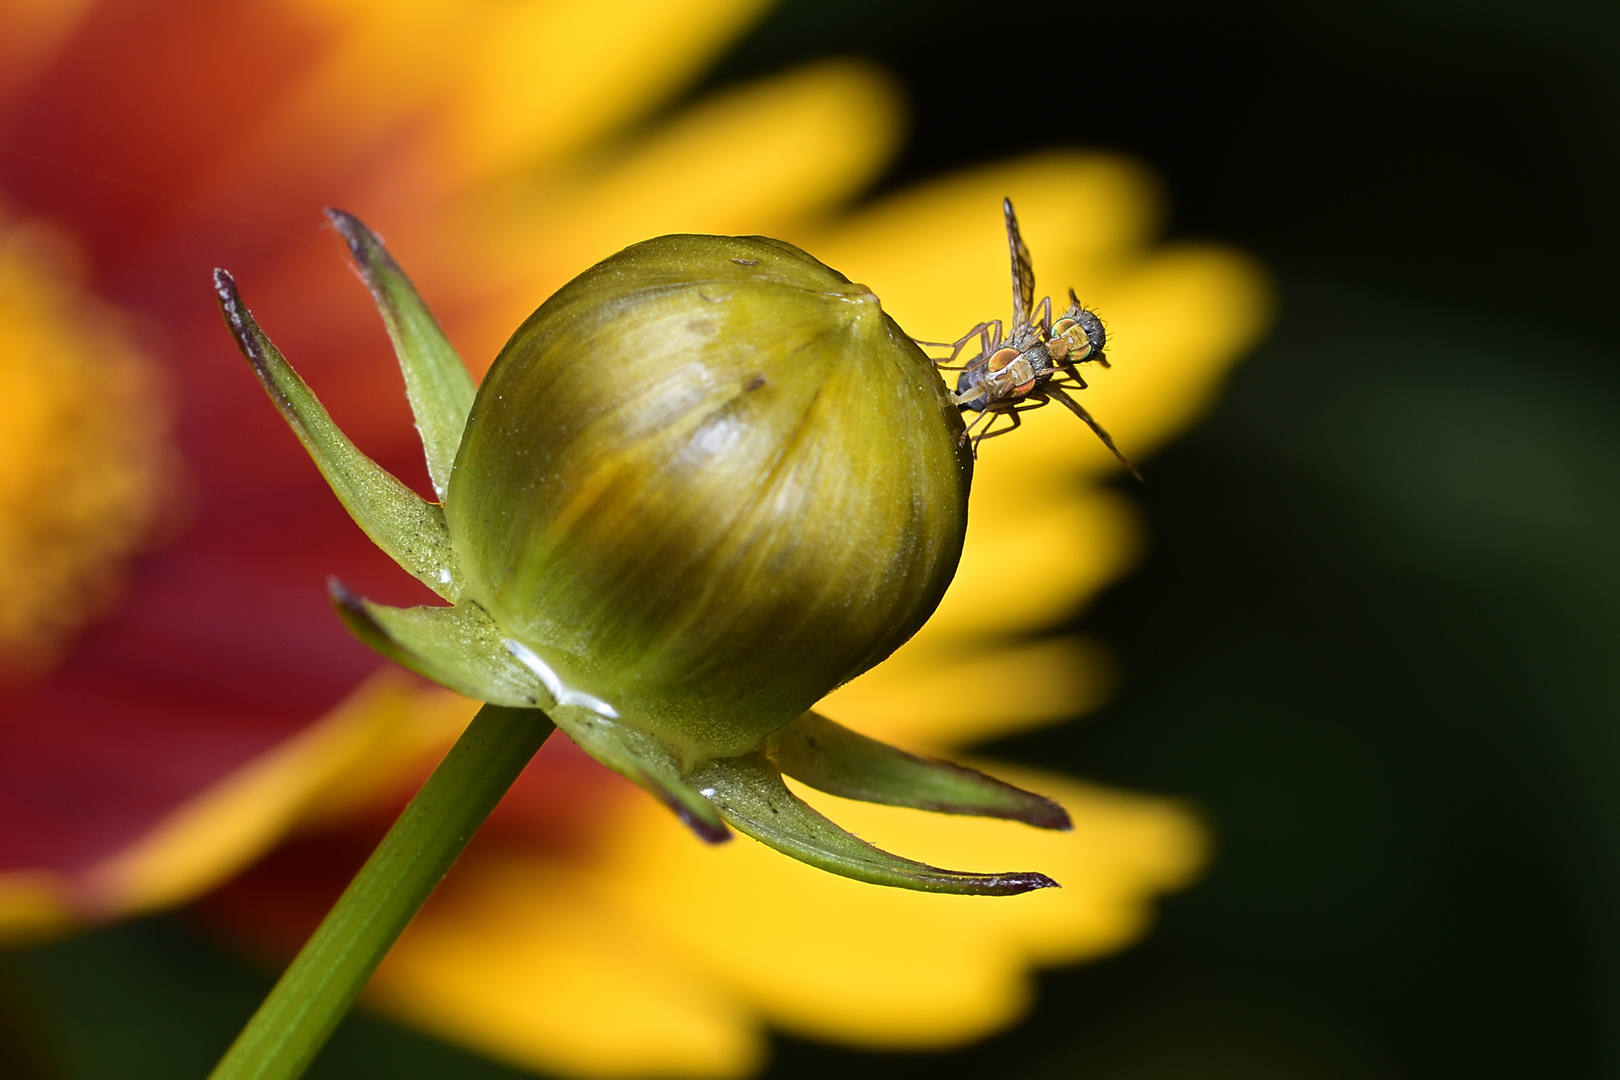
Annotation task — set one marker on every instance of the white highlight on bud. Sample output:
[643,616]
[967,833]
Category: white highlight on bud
[560,692]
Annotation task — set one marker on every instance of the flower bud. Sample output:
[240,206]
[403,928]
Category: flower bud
[707,482]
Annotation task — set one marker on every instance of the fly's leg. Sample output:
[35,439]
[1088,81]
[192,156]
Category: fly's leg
[1072,372]
[984,416]
[988,333]
[1097,429]
[1045,321]
[989,433]
[1030,402]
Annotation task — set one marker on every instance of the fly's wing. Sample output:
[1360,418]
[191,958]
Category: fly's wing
[1023,271]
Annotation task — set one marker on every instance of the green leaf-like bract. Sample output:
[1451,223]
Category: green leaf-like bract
[647,760]
[458,647]
[409,528]
[462,648]
[436,381]
[751,796]
[831,758]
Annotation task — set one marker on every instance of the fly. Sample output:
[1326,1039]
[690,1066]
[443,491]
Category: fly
[1033,365]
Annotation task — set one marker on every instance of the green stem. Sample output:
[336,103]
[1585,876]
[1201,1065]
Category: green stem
[316,991]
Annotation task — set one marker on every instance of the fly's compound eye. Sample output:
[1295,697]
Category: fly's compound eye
[1069,343]
[1002,358]
[1066,339]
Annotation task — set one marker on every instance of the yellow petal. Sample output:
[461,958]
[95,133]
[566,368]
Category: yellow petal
[483,85]
[931,697]
[1035,553]
[937,254]
[754,159]
[833,958]
[1178,319]
[537,963]
[538,78]
[32,907]
[662,955]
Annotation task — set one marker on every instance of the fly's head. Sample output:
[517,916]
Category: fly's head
[1078,335]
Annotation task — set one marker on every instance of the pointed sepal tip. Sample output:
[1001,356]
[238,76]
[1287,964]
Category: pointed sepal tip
[751,796]
[830,757]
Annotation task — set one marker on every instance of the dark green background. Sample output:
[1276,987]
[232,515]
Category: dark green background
[1375,638]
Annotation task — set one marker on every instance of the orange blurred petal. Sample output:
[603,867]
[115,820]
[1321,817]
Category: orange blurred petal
[539,78]
[759,159]
[384,733]
[30,31]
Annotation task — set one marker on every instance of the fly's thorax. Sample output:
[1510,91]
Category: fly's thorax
[1038,361]
[1010,372]
[707,482]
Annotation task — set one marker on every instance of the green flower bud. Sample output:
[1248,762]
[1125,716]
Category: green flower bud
[707,482]
[704,484]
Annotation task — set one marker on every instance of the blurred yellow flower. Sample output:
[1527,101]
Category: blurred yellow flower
[502,147]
